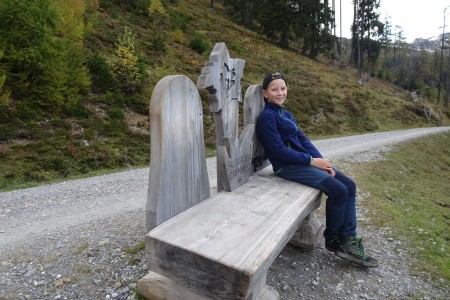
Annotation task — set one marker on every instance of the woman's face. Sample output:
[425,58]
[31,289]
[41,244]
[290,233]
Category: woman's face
[276,91]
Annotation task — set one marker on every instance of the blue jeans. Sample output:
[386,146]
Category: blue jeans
[340,210]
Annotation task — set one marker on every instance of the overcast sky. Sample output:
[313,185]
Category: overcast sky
[418,18]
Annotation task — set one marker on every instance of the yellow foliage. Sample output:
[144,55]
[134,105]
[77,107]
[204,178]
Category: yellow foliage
[179,37]
[72,28]
[72,12]
[156,7]
[125,64]
[4,95]
[183,8]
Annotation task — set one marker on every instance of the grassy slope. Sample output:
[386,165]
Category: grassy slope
[323,97]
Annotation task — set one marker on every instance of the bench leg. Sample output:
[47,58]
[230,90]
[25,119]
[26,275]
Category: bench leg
[156,287]
[263,291]
[268,293]
[308,233]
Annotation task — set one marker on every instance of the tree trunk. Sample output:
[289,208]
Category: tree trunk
[369,69]
[360,36]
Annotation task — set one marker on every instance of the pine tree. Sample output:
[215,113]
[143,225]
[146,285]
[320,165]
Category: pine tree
[42,63]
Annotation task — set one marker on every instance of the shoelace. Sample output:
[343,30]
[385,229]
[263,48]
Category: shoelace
[359,246]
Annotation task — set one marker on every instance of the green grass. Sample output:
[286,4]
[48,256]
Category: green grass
[134,253]
[409,193]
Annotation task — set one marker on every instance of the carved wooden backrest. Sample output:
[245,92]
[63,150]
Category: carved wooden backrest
[221,77]
[178,173]
[253,106]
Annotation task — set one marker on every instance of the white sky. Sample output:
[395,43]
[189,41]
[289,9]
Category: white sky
[418,18]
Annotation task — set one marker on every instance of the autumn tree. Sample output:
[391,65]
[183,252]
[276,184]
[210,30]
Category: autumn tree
[125,62]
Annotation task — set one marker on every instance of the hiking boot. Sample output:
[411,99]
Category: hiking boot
[351,249]
[332,244]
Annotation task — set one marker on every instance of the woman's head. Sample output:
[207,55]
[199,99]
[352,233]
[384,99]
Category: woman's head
[274,88]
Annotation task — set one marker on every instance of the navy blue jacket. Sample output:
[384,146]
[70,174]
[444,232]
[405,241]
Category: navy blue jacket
[283,141]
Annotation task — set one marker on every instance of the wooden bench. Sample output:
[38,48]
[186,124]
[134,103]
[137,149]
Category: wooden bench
[219,247]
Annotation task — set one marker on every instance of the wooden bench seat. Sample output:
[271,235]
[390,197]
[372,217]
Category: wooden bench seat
[222,247]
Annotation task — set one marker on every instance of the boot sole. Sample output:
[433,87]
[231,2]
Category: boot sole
[354,260]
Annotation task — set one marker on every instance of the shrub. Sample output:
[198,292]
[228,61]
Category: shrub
[4,95]
[179,37]
[236,46]
[158,42]
[76,108]
[199,43]
[156,8]
[102,75]
[116,113]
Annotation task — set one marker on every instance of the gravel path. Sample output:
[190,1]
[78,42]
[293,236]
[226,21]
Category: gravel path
[82,239]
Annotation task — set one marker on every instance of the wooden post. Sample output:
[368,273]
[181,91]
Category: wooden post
[308,233]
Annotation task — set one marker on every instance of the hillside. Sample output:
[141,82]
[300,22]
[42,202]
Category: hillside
[110,130]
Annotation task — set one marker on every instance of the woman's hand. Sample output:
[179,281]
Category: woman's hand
[324,164]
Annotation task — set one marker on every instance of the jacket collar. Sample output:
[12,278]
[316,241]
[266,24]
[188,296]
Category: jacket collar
[274,106]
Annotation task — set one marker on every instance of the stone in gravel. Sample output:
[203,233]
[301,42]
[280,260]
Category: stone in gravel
[339,287]
[39,283]
[29,273]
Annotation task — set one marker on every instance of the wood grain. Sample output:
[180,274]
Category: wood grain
[253,106]
[178,174]
[225,245]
